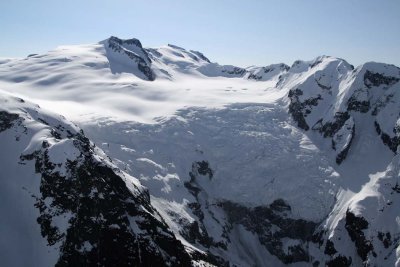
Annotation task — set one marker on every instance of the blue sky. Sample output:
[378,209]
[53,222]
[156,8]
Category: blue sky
[230,32]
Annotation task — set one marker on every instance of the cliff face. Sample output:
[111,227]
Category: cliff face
[88,212]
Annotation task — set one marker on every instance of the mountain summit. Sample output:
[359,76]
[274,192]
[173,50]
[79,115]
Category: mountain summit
[151,63]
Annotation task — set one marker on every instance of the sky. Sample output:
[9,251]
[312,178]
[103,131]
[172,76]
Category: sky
[242,33]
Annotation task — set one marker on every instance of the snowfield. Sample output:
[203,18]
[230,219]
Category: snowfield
[256,166]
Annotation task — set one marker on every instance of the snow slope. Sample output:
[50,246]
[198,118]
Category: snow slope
[64,203]
[256,166]
[60,75]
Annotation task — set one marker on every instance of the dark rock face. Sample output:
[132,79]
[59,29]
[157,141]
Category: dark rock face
[296,109]
[376,79]
[374,95]
[329,129]
[143,67]
[117,45]
[196,232]
[396,188]
[371,79]
[386,239]
[330,248]
[391,142]
[192,185]
[106,224]
[339,261]
[343,154]
[132,41]
[7,120]
[271,224]
[265,70]
[255,77]
[203,168]
[355,226]
[235,71]
[361,106]
[381,103]
[198,168]
[299,110]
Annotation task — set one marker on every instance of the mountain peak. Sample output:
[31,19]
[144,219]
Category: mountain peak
[131,41]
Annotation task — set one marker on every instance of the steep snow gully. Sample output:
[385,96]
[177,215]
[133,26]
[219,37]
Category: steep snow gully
[164,158]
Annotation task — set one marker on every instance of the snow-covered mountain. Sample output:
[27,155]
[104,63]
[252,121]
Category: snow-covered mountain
[185,162]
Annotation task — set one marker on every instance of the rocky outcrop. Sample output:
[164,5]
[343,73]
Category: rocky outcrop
[391,142]
[7,120]
[330,93]
[377,79]
[339,261]
[342,130]
[196,232]
[300,109]
[132,48]
[283,236]
[355,104]
[267,72]
[234,71]
[355,227]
